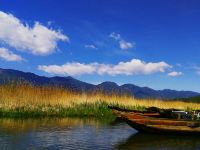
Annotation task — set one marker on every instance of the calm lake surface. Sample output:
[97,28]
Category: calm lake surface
[71,133]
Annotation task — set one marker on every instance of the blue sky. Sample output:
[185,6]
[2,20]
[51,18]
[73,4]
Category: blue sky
[148,43]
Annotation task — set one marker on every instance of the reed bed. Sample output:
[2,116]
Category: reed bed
[25,100]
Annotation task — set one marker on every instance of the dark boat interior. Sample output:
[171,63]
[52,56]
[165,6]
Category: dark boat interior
[164,113]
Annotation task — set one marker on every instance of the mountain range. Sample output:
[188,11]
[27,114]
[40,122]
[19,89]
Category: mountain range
[7,75]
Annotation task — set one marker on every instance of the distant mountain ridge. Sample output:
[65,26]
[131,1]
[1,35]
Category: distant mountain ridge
[70,83]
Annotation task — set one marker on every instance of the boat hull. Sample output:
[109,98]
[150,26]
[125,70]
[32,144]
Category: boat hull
[151,123]
[164,129]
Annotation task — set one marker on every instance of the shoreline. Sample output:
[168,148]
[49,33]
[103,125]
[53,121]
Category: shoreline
[96,110]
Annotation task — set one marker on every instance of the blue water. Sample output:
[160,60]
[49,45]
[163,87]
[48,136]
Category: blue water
[84,134]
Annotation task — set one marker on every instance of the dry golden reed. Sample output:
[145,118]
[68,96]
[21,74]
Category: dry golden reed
[25,95]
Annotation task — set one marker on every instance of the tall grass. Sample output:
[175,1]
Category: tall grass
[25,100]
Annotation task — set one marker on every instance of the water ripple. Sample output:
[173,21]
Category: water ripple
[79,134]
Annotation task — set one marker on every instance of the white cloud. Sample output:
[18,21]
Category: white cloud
[90,46]
[175,74]
[69,68]
[122,43]
[115,36]
[7,55]
[125,45]
[38,40]
[133,67]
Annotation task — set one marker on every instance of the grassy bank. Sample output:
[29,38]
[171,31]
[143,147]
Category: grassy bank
[24,100]
[97,110]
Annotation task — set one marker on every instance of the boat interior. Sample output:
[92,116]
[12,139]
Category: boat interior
[155,112]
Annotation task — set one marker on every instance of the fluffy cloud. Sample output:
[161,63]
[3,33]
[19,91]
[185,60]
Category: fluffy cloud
[90,46]
[175,74]
[38,40]
[7,55]
[69,68]
[122,43]
[133,67]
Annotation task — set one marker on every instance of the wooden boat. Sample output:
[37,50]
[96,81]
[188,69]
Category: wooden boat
[158,122]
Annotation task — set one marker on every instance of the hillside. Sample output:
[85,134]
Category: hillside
[7,75]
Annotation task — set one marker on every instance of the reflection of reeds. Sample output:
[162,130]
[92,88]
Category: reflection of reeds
[25,125]
[18,100]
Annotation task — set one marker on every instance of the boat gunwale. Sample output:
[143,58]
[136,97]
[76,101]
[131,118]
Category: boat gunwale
[124,114]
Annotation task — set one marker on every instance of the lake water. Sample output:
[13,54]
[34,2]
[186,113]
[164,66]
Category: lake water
[71,133]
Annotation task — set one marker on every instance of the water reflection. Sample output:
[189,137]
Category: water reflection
[74,133]
[141,141]
[26,125]
[68,133]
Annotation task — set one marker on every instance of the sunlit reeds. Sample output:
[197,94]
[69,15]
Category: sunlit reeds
[25,99]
